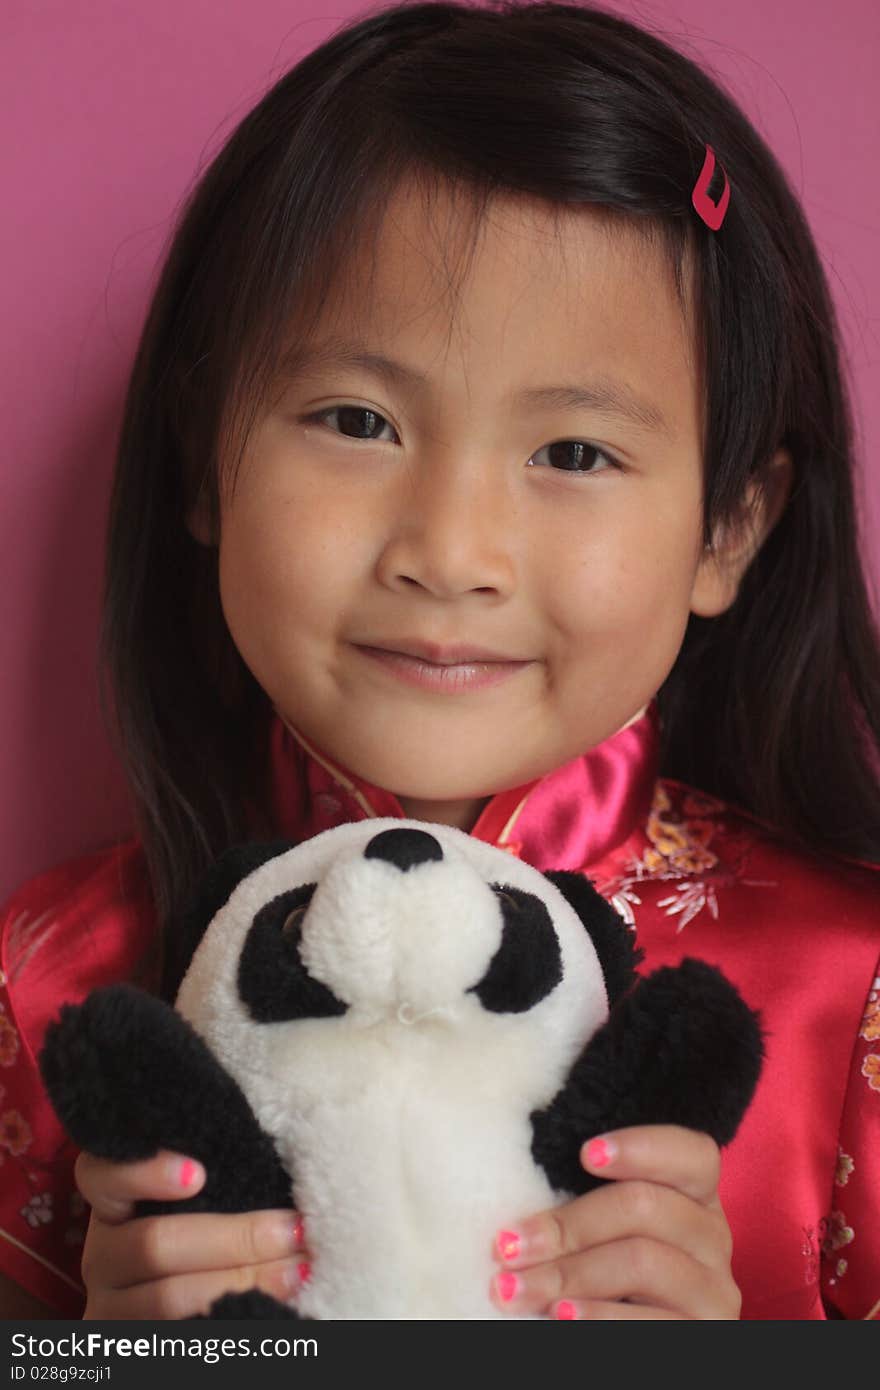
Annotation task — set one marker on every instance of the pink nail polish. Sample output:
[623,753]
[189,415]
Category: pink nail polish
[507,1286]
[600,1152]
[298,1231]
[304,1271]
[565,1310]
[508,1244]
[188,1172]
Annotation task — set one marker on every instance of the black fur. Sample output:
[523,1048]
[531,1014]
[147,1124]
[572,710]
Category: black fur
[272,980]
[215,890]
[253,1303]
[128,1076]
[683,1049]
[612,939]
[527,964]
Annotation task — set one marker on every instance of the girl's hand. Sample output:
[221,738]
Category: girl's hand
[164,1267]
[654,1243]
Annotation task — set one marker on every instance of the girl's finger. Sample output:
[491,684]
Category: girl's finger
[111,1189]
[625,1208]
[185,1295]
[639,1269]
[609,1312]
[685,1159]
[153,1247]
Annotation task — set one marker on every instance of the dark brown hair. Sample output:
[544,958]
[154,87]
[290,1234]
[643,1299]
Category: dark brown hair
[775,705]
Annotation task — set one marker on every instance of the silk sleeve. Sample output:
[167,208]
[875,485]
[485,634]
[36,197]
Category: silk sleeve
[42,1216]
[850,1264]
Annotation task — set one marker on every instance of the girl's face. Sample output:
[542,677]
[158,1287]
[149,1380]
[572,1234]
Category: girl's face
[457,510]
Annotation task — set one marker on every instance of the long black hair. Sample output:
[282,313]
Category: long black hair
[775,705]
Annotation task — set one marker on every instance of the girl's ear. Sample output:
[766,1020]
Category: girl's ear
[721,568]
[198,522]
[199,519]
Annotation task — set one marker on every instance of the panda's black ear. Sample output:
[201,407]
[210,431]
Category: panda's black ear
[613,941]
[214,891]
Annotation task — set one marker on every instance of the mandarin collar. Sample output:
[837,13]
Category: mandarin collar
[570,818]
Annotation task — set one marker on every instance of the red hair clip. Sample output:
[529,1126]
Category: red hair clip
[711,213]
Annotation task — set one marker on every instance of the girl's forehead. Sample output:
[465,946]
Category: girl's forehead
[445,246]
[525,294]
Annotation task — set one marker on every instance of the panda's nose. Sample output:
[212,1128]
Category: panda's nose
[405,848]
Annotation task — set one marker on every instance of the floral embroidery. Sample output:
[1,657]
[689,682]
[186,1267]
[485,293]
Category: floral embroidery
[689,899]
[680,843]
[810,1253]
[871,1069]
[8,1042]
[837,1233]
[845,1166]
[621,903]
[38,1211]
[870,1029]
[15,1132]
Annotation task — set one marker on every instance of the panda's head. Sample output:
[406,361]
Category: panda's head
[385,925]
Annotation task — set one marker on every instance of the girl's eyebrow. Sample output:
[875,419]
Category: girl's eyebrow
[603,394]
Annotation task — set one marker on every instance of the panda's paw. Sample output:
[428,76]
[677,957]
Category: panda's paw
[252,1304]
[89,1065]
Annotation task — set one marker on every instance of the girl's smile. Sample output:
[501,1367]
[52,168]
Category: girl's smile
[449,678]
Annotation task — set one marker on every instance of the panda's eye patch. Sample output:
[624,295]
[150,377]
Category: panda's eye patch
[272,980]
[528,963]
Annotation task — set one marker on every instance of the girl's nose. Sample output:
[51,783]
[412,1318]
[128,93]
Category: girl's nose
[450,531]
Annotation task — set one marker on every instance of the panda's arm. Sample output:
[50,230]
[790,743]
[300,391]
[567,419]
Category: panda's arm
[128,1076]
[682,1048]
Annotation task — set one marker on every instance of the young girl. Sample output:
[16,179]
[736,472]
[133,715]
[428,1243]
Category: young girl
[487,460]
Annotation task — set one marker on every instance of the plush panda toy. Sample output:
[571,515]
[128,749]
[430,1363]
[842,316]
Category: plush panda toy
[406,1034]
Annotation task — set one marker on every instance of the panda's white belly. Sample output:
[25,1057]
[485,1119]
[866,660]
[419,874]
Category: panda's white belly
[401,1206]
[403,1183]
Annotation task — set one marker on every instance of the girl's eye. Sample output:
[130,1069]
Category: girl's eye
[350,425]
[360,422]
[573,455]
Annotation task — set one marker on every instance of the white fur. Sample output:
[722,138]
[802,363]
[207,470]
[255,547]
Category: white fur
[406,1120]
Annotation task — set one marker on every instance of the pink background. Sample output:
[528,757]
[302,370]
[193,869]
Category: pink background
[110,112]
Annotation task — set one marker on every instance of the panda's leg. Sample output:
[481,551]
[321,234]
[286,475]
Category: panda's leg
[682,1048]
[128,1076]
[253,1303]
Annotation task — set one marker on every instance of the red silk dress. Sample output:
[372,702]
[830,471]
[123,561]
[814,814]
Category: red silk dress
[798,934]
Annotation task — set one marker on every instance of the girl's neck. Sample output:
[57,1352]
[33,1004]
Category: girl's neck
[461,814]
[464,814]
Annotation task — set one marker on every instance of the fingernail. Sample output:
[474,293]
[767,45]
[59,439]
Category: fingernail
[299,1238]
[189,1172]
[508,1245]
[564,1309]
[507,1286]
[295,1274]
[601,1152]
[286,1233]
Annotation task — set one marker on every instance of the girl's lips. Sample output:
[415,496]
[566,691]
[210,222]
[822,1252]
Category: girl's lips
[471,675]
